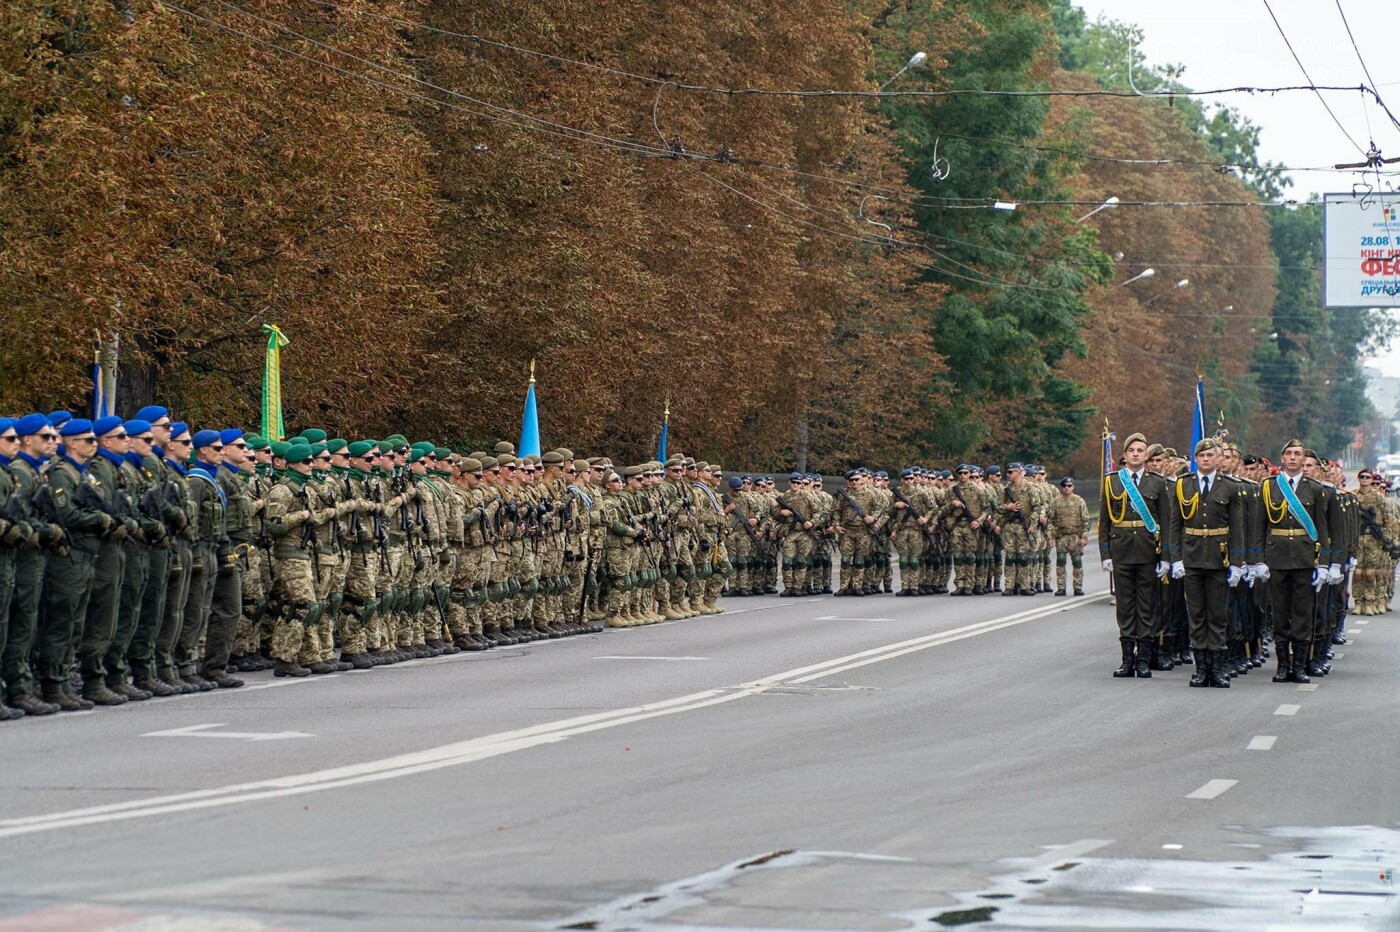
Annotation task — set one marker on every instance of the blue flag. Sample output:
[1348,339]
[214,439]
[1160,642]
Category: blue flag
[665,430]
[1198,421]
[530,424]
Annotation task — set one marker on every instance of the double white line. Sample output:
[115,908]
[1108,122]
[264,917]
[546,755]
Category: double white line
[506,742]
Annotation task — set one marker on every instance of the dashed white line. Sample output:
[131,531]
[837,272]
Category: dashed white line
[641,657]
[1262,743]
[1287,709]
[1338,655]
[1361,621]
[295,681]
[1307,688]
[1212,789]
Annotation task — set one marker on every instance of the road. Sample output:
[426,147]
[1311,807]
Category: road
[873,763]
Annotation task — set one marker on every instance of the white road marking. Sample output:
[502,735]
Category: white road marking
[293,681]
[1338,655]
[1172,847]
[1262,743]
[843,618]
[1307,688]
[641,657]
[1361,621]
[1212,789]
[1074,849]
[764,608]
[202,731]
[506,742]
[1286,709]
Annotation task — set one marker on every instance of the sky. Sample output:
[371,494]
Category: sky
[1226,43]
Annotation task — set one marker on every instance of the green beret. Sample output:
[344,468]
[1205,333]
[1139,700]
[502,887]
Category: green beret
[1134,438]
[314,434]
[299,441]
[487,462]
[416,455]
[441,453]
[298,453]
[631,472]
[477,454]
[256,442]
[565,452]
[336,445]
[505,447]
[505,459]
[1206,444]
[470,464]
[423,445]
[398,437]
[552,458]
[360,447]
[280,448]
[1155,449]
[317,449]
[702,465]
[676,460]
[1170,451]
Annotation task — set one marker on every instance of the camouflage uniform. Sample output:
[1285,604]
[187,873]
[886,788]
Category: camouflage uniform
[1069,522]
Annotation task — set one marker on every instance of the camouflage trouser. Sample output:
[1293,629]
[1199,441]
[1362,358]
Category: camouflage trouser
[797,560]
[254,626]
[1067,550]
[1369,581]
[963,543]
[744,556]
[856,557]
[318,644]
[392,592]
[470,577]
[909,546]
[724,569]
[1040,554]
[574,595]
[361,604]
[294,587]
[1019,571]
[547,608]
[527,571]
[422,613]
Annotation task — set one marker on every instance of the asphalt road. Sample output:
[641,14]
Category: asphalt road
[875,763]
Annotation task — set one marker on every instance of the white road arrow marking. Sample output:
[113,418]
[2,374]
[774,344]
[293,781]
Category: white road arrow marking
[202,731]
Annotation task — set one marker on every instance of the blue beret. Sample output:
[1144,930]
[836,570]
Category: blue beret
[177,428]
[735,482]
[60,417]
[851,474]
[1014,466]
[206,438]
[135,428]
[75,426]
[230,435]
[946,474]
[152,413]
[795,477]
[105,425]
[1067,481]
[31,424]
[882,475]
[6,423]
[906,474]
[994,470]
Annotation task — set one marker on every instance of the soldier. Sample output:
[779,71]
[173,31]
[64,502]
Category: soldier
[1069,523]
[291,514]
[176,454]
[71,503]
[1206,545]
[1297,547]
[226,607]
[963,516]
[37,443]
[136,574]
[1340,535]
[107,493]
[991,551]
[1017,513]
[909,527]
[1132,513]
[15,535]
[791,516]
[209,552]
[255,472]
[365,555]
[1373,549]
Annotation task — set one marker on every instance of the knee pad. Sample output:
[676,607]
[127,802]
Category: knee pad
[312,614]
[334,603]
[1077,560]
[846,562]
[530,587]
[512,587]
[259,609]
[368,611]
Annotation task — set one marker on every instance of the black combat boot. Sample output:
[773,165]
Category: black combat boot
[1144,668]
[1202,675]
[1218,678]
[30,704]
[1285,667]
[1126,670]
[1299,668]
[289,668]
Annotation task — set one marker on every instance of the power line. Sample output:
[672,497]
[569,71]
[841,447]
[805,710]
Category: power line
[1304,69]
[1365,70]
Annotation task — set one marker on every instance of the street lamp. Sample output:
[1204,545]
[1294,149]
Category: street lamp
[915,61]
[1179,285]
[1145,273]
[1111,202]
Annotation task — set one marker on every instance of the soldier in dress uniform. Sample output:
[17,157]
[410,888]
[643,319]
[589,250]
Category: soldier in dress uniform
[1132,514]
[1206,545]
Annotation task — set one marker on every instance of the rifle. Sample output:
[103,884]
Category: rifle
[739,517]
[798,519]
[860,513]
[46,505]
[910,512]
[309,540]
[13,512]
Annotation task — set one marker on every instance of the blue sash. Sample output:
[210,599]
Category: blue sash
[587,502]
[1299,512]
[1134,496]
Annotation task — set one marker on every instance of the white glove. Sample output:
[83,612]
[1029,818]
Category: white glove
[1162,569]
[1236,574]
[1261,572]
[1178,570]
[1351,564]
[1108,566]
[1334,574]
[1319,578]
[1249,574]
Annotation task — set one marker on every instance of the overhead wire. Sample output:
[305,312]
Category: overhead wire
[1303,68]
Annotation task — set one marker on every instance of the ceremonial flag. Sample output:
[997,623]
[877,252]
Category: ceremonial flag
[104,375]
[530,423]
[272,426]
[99,406]
[665,429]
[1108,438]
[1198,420]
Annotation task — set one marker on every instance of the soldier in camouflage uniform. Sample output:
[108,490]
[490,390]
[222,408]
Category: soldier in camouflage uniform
[910,528]
[856,534]
[1069,522]
[963,516]
[291,514]
[255,472]
[791,515]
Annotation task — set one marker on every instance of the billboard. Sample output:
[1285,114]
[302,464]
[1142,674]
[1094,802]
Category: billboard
[1361,250]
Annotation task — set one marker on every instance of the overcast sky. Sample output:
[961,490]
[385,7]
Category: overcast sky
[1225,43]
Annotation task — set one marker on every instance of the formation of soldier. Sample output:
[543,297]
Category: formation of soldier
[1211,567]
[140,558]
[963,531]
